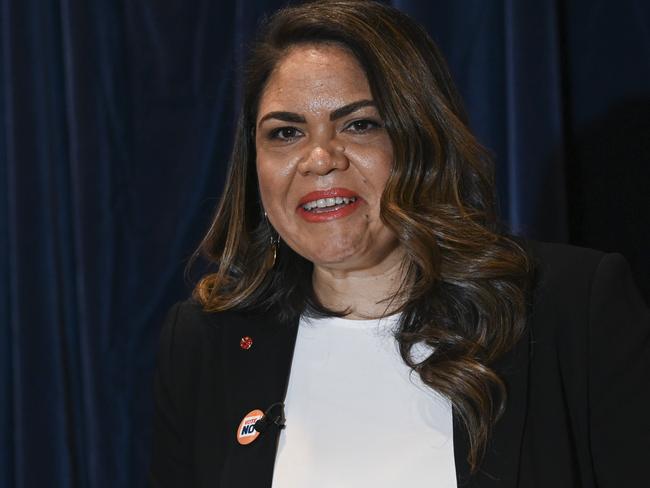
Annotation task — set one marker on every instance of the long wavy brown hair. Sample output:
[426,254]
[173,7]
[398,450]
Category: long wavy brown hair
[466,282]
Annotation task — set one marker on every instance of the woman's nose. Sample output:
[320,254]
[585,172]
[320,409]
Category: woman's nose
[322,160]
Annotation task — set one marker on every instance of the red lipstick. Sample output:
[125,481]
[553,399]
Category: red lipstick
[331,212]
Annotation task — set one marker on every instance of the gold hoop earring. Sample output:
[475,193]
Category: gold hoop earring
[275,242]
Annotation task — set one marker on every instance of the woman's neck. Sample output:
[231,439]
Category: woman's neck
[364,293]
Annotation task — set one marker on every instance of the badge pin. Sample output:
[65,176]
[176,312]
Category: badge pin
[246,342]
[246,432]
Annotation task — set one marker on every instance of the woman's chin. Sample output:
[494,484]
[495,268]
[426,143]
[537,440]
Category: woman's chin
[335,258]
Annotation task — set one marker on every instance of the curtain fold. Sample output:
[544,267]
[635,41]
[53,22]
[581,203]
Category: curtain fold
[116,122]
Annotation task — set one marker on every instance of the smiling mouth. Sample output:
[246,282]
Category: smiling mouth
[328,204]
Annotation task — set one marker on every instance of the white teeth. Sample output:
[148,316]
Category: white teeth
[328,202]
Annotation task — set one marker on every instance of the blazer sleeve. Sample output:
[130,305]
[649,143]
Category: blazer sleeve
[619,376]
[176,367]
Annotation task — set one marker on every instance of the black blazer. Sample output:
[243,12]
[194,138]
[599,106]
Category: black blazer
[578,410]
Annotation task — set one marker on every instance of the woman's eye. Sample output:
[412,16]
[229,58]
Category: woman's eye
[362,126]
[284,133]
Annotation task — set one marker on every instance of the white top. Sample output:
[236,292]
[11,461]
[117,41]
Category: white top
[355,415]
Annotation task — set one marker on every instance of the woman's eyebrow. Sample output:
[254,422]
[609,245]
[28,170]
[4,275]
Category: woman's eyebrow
[349,108]
[336,114]
[284,116]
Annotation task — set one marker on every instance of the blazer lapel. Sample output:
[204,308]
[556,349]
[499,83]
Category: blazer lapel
[257,377]
[500,466]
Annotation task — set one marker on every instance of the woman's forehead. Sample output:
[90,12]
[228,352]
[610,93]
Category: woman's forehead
[315,78]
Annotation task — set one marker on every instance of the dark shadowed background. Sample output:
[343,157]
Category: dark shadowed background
[116,119]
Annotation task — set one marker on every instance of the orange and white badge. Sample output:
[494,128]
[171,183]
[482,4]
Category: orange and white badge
[246,432]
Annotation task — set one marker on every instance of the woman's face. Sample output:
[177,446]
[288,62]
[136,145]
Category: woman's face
[323,158]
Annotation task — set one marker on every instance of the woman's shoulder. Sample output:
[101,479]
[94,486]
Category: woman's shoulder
[570,271]
[555,260]
[574,285]
[186,320]
[192,316]
[564,266]
[189,328]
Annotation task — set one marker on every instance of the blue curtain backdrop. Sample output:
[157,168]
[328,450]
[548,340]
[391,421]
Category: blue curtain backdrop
[115,127]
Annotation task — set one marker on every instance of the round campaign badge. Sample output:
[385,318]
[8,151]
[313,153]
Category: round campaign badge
[246,432]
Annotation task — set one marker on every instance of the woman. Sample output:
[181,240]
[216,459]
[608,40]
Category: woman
[366,323]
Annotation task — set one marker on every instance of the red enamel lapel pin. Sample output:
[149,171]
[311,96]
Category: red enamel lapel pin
[246,343]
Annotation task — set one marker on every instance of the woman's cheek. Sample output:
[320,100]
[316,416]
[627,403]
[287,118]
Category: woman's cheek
[274,178]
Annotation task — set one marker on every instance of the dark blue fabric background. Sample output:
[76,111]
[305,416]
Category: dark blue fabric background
[116,120]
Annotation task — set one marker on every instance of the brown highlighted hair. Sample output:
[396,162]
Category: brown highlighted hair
[466,284]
